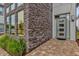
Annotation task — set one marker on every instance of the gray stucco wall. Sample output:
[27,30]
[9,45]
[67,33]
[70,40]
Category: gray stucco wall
[38,24]
[61,8]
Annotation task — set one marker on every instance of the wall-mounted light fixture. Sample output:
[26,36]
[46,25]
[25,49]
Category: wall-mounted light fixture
[72,18]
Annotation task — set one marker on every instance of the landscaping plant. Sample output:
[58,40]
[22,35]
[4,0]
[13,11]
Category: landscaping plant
[13,46]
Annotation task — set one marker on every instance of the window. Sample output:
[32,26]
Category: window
[77,22]
[77,11]
[1,27]
[1,24]
[61,25]
[1,11]
[7,9]
[61,29]
[21,23]
[61,34]
[1,20]
[19,4]
[8,25]
[57,16]
[12,24]
[13,6]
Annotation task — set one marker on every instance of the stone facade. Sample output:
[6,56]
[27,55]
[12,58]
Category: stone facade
[37,23]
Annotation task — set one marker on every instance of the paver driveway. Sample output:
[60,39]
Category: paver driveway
[3,52]
[56,48]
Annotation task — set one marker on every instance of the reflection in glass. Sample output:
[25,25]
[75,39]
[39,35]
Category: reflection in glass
[7,25]
[21,23]
[12,26]
[12,6]
[7,10]
[77,22]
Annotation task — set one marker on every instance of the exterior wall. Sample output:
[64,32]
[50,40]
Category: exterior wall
[73,24]
[61,8]
[39,21]
[39,24]
[26,23]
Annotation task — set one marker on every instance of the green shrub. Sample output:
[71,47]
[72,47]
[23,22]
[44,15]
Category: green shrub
[13,46]
[23,44]
[3,40]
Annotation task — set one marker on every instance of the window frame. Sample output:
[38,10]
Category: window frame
[8,9]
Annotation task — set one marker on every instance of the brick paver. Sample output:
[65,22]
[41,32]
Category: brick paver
[57,48]
[52,48]
[3,52]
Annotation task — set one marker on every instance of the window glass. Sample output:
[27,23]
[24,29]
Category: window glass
[1,20]
[77,22]
[19,4]
[12,24]
[7,9]
[13,6]
[1,11]
[7,25]
[1,24]
[1,27]
[21,23]
[77,11]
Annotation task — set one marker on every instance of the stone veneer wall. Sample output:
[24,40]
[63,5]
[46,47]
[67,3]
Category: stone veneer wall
[37,21]
[38,27]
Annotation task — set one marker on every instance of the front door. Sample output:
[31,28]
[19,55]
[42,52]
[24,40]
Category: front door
[61,28]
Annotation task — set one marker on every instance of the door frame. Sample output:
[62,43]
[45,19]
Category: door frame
[65,27]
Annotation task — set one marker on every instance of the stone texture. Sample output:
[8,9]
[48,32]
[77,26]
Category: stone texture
[56,48]
[39,24]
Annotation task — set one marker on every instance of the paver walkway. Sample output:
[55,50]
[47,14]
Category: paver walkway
[56,48]
[51,48]
[3,52]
